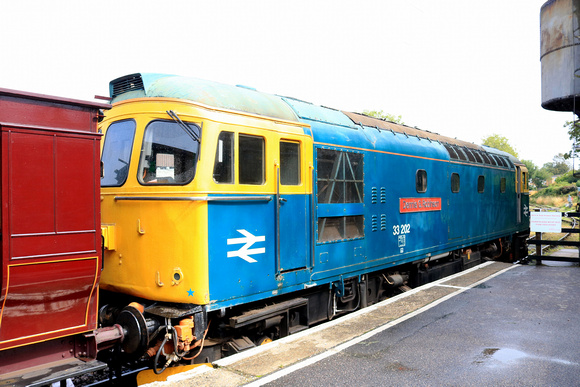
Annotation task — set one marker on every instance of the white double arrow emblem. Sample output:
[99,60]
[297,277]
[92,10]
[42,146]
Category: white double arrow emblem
[244,252]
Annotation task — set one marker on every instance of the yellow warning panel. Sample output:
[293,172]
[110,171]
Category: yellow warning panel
[148,376]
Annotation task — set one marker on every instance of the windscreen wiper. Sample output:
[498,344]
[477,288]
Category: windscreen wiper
[185,127]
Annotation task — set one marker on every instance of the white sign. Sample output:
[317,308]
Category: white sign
[546,222]
[244,252]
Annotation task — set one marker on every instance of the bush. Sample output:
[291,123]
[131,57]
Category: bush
[567,189]
[567,177]
[556,190]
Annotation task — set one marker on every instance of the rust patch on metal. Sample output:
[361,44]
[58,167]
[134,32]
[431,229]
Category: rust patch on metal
[362,119]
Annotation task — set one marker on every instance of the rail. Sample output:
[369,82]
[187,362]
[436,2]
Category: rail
[539,242]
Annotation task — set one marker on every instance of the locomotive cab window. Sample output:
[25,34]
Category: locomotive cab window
[117,153]
[251,159]
[168,154]
[421,181]
[502,185]
[289,163]
[455,182]
[480,183]
[223,170]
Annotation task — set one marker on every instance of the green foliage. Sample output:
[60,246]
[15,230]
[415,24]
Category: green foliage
[384,116]
[567,177]
[532,168]
[499,142]
[540,177]
[537,176]
[573,131]
[556,190]
[558,165]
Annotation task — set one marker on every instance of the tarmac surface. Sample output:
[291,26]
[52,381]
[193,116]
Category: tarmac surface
[495,324]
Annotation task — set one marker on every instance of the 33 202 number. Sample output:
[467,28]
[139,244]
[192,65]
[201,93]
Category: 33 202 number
[401,229]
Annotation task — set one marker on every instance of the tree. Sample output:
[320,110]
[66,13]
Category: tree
[532,168]
[574,134]
[540,177]
[499,142]
[384,116]
[558,165]
[573,131]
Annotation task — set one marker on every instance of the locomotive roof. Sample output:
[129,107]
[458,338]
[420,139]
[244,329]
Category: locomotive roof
[214,94]
[241,98]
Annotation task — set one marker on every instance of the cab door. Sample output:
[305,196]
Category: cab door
[522,192]
[521,180]
[293,208]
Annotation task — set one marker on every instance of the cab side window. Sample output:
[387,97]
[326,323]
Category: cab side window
[251,159]
[223,170]
[289,163]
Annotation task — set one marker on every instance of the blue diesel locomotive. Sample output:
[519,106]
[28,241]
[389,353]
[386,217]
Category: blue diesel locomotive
[233,217]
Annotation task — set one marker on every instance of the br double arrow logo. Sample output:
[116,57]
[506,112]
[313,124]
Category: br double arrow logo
[245,251]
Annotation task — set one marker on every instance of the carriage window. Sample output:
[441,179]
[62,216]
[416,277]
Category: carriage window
[168,154]
[454,182]
[480,183]
[251,159]
[421,181]
[223,170]
[502,184]
[117,153]
[339,176]
[289,163]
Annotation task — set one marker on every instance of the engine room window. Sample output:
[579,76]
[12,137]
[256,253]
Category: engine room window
[251,159]
[223,170]
[421,181]
[289,163]
[168,154]
[502,185]
[339,176]
[455,182]
[117,153]
[331,229]
[480,183]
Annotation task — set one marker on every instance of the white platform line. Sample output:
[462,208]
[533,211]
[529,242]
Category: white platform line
[305,363]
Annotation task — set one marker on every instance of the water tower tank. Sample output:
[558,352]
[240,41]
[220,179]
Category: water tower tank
[560,55]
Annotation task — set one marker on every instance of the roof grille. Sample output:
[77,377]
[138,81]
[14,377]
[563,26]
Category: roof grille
[462,153]
[126,84]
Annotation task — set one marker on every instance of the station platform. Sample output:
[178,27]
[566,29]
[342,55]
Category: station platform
[494,324]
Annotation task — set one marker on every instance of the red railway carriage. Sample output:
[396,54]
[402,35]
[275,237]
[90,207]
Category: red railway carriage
[50,229]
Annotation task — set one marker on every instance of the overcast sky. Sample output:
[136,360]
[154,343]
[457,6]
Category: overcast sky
[464,69]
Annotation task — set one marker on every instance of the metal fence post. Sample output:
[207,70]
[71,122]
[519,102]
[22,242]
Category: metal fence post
[538,249]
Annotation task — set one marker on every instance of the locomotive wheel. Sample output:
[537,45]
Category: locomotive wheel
[135,327]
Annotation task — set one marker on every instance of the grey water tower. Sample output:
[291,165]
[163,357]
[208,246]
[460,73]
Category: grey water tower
[560,55]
